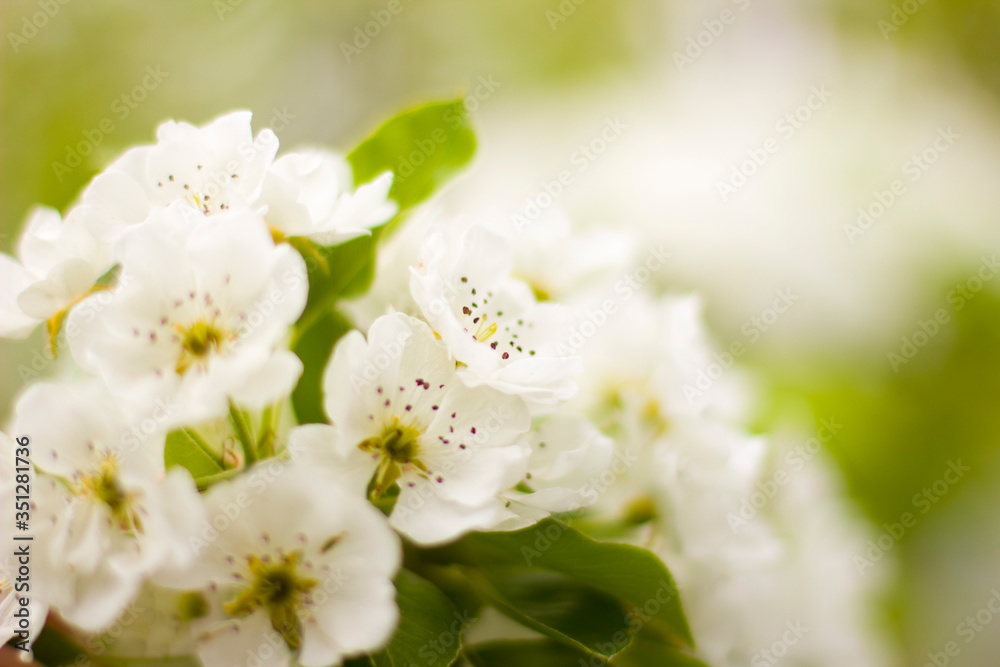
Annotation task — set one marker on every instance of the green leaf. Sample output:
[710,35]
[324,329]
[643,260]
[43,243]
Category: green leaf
[335,272]
[630,573]
[568,611]
[430,628]
[529,653]
[644,653]
[423,147]
[314,348]
[186,448]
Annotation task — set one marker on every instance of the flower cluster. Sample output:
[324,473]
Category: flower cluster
[226,448]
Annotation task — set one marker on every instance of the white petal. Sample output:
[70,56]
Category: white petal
[14,323]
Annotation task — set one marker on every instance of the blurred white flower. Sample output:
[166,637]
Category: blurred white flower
[309,193]
[490,322]
[556,260]
[202,319]
[105,517]
[58,263]
[305,570]
[401,414]
[568,457]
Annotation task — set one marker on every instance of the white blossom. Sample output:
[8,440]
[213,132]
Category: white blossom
[203,319]
[490,321]
[311,194]
[564,473]
[212,168]
[293,566]
[402,416]
[58,264]
[107,516]
[221,166]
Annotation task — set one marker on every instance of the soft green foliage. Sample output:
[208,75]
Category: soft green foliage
[184,448]
[314,348]
[527,653]
[423,147]
[510,569]
[568,611]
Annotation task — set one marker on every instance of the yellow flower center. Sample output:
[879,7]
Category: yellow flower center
[279,590]
[398,448]
[198,341]
[104,487]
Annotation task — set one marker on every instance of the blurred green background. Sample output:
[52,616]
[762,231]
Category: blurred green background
[305,62]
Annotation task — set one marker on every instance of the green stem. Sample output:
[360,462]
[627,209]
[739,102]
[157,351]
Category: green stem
[265,443]
[243,433]
[209,480]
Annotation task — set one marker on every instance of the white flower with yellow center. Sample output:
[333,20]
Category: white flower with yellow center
[403,420]
[105,516]
[490,322]
[221,166]
[311,193]
[212,168]
[203,318]
[58,264]
[295,568]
